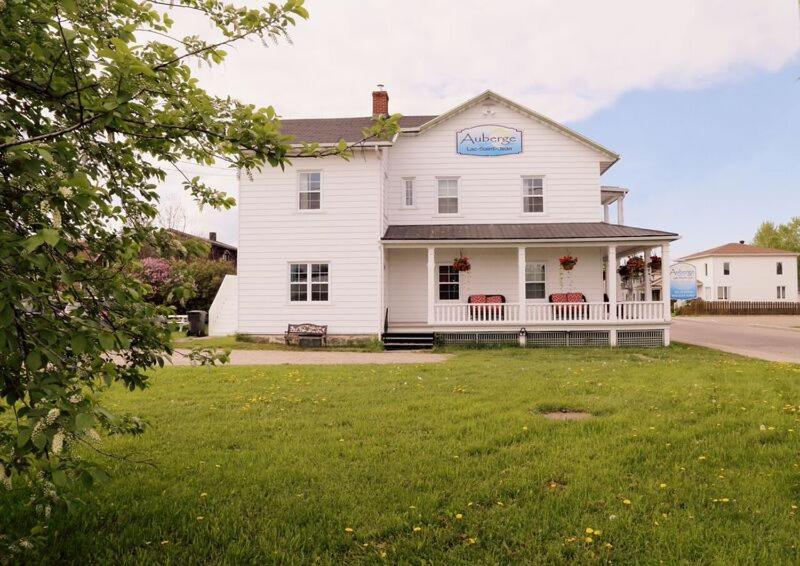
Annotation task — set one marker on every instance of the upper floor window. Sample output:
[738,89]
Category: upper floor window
[782,291]
[706,266]
[726,268]
[535,280]
[308,282]
[408,193]
[448,283]
[448,196]
[779,268]
[532,195]
[310,190]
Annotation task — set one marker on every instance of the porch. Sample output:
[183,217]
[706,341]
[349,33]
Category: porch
[519,286]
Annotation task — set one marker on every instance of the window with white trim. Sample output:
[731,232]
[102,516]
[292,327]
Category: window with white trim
[309,190]
[726,268]
[723,293]
[779,268]
[781,291]
[449,283]
[532,195]
[308,282]
[448,196]
[706,266]
[408,192]
[535,280]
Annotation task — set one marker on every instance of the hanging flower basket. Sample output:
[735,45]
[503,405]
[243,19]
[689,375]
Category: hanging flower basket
[635,266]
[568,262]
[655,263]
[461,263]
[623,272]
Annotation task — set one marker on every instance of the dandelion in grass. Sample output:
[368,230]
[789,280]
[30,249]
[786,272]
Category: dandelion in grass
[417,529]
[348,529]
[663,486]
[459,516]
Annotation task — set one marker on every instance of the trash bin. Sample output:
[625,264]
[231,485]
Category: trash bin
[197,323]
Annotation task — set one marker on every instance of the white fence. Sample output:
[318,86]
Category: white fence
[223,314]
[547,313]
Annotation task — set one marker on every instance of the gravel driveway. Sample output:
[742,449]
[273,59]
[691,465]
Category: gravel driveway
[773,338]
[277,357]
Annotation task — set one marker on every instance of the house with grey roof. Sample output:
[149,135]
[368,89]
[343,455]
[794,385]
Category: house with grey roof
[488,222]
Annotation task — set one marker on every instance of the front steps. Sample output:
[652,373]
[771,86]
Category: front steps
[407,340]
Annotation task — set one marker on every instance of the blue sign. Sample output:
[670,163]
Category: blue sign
[683,282]
[489,140]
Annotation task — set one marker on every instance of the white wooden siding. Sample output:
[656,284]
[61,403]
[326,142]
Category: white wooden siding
[344,233]
[491,187]
[222,315]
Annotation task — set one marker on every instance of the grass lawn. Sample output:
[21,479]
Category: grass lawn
[692,456]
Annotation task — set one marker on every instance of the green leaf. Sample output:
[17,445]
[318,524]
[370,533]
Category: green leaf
[30,244]
[60,478]
[83,421]
[33,360]
[78,343]
[50,236]
[107,341]
[40,441]
[24,436]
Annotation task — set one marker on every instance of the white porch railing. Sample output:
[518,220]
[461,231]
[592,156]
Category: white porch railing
[568,312]
[640,310]
[482,313]
[547,313]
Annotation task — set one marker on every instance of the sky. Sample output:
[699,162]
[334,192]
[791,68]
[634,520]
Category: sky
[700,97]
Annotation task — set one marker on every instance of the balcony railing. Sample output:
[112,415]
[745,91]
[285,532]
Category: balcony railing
[547,313]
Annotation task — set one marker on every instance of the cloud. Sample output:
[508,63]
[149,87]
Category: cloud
[564,58]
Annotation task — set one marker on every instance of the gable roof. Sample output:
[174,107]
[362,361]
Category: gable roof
[331,130]
[527,231]
[735,248]
[213,243]
[611,156]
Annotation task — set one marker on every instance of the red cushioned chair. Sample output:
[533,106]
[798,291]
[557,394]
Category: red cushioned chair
[486,307]
[574,313]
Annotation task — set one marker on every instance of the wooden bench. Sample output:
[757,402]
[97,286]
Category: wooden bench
[297,332]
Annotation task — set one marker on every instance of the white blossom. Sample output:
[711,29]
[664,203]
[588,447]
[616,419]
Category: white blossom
[58,442]
[75,399]
[52,415]
[92,434]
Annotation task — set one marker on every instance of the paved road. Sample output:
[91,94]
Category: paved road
[277,357]
[773,338]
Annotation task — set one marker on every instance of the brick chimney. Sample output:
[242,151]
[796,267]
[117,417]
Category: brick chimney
[380,102]
[212,236]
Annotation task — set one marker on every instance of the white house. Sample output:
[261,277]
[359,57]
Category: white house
[367,246]
[740,272]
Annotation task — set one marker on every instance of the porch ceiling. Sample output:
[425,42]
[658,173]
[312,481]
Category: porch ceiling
[566,231]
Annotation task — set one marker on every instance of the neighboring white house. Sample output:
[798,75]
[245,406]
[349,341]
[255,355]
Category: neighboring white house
[740,272]
[366,246]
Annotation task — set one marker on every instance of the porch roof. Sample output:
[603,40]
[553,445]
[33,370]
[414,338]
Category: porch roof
[528,231]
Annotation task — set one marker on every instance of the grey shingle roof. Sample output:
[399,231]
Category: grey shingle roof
[331,130]
[530,231]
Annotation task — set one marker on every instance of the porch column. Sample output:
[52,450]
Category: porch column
[606,216]
[611,282]
[620,211]
[665,285]
[431,282]
[648,273]
[521,260]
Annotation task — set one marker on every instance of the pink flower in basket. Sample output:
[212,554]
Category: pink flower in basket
[461,263]
[568,262]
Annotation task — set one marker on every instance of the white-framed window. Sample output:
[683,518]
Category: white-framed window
[726,268]
[449,283]
[707,294]
[309,282]
[535,280]
[781,291]
[532,195]
[408,192]
[706,266]
[723,293]
[447,195]
[779,268]
[309,191]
